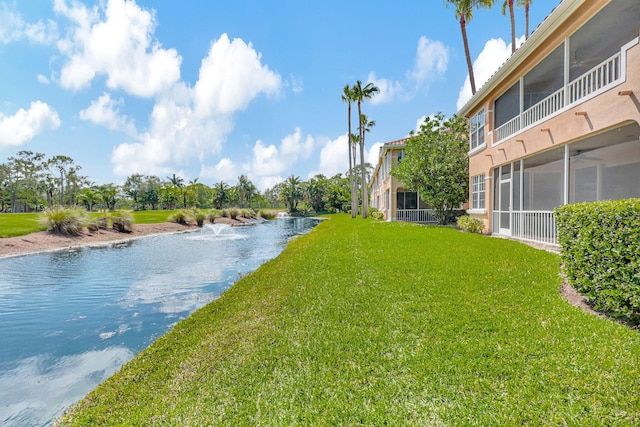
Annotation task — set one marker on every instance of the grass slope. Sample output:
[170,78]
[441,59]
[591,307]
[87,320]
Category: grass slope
[371,323]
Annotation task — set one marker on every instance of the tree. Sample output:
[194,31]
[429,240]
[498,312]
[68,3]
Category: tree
[436,164]
[133,187]
[108,194]
[246,190]
[291,192]
[464,12]
[362,93]
[23,181]
[62,167]
[89,196]
[509,4]
[220,194]
[314,192]
[526,4]
[178,183]
[348,96]
[151,192]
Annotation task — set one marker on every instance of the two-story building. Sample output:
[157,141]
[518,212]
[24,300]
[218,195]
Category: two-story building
[559,122]
[388,194]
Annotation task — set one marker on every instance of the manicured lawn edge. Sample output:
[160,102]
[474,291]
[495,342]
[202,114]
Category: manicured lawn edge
[373,323]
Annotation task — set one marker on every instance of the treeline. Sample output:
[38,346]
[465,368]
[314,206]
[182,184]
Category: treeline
[30,182]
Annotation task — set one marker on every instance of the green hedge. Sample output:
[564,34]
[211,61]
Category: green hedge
[600,244]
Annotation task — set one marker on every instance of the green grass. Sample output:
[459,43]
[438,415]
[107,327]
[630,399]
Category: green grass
[19,224]
[374,323]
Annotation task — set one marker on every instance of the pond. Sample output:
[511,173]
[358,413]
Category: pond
[70,319]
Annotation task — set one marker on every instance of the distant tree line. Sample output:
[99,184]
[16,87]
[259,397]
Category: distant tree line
[30,182]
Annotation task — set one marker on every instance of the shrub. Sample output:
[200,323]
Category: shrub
[199,217]
[180,216]
[234,213]
[62,220]
[267,214]
[377,215]
[600,249]
[472,225]
[213,214]
[121,221]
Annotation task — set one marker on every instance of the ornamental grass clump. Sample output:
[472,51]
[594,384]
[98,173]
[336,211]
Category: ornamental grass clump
[61,220]
[213,214]
[199,216]
[267,214]
[121,221]
[180,216]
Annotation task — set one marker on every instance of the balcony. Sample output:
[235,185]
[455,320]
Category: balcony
[600,78]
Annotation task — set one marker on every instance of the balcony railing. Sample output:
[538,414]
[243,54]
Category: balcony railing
[544,108]
[599,77]
[603,76]
[425,216]
[538,226]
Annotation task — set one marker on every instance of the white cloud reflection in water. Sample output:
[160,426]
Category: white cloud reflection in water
[40,388]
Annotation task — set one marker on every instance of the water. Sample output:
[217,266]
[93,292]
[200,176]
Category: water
[68,320]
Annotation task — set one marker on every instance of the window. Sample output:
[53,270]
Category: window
[400,155]
[477,192]
[507,106]
[477,130]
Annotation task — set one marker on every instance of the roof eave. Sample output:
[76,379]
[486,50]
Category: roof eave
[557,17]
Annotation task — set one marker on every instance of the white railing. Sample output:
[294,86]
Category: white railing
[416,215]
[544,108]
[508,129]
[598,78]
[539,226]
[601,77]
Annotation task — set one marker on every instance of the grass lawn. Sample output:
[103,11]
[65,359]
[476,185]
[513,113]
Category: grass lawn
[373,323]
[19,224]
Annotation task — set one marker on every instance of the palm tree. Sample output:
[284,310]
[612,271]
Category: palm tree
[348,97]
[464,12]
[178,182]
[291,192]
[221,194]
[526,4]
[360,94]
[509,3]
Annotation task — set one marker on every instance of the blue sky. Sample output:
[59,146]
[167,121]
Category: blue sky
[212,90]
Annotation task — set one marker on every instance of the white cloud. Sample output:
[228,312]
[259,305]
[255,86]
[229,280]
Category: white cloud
[333,156]
[389,89]
[431,61]
[432,58]
[192,123]
[374,154]
[104,111]
[40,388]
[296,83]
[14,28]
[231,76]
[24,125]
[120,46]
[490,59]
[225,170]
[43,79]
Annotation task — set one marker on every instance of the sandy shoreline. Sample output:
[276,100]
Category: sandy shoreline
[44,241]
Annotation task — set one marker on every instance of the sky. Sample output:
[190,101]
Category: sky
[212,90]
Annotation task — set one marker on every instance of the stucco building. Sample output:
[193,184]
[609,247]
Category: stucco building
[559,122]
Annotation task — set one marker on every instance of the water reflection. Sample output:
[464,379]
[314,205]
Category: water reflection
[70,319]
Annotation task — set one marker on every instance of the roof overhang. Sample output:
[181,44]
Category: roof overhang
[549,26]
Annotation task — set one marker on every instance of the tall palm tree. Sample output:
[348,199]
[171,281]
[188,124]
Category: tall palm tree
[464,12]
[348,97]
[509,3]
[362,93]
[526,4]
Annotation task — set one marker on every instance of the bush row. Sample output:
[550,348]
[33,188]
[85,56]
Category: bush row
[600,249]
[470,224]
[183,216]
[71,221]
